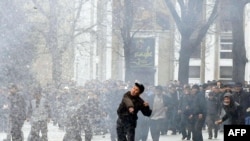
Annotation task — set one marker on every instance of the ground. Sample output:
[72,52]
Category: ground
[55,134]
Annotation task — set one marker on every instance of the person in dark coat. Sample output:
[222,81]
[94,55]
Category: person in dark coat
[3,111]
[17,114]
[234,111]
[172,112]
[241,97]
[184,109]
[198,115]
[39,114]
[127,111]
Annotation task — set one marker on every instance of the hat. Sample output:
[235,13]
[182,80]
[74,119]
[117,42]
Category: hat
[140,86]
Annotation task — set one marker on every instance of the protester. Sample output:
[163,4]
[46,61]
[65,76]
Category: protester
[17,114]
[127,111]
[3,110]
[233,111]
[184,109]
[172,112]
[212,115]
[142,128]
[39,114]
[158,102]
[241,97]
[198,113]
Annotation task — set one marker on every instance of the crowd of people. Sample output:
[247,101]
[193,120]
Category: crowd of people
[91,109]
[190,108]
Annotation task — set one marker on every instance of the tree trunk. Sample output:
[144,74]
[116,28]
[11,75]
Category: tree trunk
[126,36]
[56,68]
[127,53]
[185,53]
[239,51]
[55,51]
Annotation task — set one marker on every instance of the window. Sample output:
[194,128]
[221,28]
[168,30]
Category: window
[194,72]
[226,46]
[226,55]
[226,71]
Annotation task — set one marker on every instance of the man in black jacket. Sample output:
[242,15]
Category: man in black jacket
[127,111]
[198,115]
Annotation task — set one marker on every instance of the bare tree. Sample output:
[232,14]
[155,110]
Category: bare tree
[192,28]
[124,13]
[16,44]
[58,40]
[239,51]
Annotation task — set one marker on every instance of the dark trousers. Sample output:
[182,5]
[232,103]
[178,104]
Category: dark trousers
[165,127]
[125,130]
[36,127]
[155,128]
[185,126]
[172,120]
[210,120]
[88,131]
[16,129]
[197,128]
[72,136]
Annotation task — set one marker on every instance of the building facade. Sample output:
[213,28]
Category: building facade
[97,52]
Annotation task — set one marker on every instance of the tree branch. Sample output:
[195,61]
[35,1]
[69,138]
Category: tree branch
[73,26]
[175,15]
[203,30]
[82,30]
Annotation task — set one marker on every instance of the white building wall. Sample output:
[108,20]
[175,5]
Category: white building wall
[86,59]
[109,41]
[85,44]
[247,41]
[210,43]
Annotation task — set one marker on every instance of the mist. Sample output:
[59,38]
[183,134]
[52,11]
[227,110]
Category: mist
[78,58]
